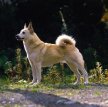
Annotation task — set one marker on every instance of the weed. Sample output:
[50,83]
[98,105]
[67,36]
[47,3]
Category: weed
[97,74]
[53,76]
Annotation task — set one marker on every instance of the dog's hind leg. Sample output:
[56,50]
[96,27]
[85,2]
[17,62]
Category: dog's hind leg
[76,72]
[84,72]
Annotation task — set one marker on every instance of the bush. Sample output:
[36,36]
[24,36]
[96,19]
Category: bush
[53,76]
[98,74]
[17,68]
[58,74]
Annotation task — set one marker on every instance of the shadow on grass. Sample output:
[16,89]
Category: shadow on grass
[80,86]
[98,84]
[39,99]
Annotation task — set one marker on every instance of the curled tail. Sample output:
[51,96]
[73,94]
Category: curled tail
[64,40]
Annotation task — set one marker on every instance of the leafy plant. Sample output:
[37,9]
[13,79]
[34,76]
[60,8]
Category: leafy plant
[17,67]
[97,73]
[58,74]
[106,75]
[53,76]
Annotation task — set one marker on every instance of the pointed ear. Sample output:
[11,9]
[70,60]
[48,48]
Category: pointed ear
[25,25]
[30,28]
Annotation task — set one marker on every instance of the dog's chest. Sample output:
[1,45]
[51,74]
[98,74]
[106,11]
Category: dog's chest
[33,55]
[26,49]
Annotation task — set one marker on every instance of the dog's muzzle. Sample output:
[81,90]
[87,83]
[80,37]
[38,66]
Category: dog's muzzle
[18,37]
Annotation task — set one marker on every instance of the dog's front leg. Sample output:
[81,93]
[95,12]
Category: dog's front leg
[38,73]
[33,73]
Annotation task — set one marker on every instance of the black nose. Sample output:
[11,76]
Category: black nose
[17,36]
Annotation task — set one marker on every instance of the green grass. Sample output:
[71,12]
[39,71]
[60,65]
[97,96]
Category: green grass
[45,85]
[6,84]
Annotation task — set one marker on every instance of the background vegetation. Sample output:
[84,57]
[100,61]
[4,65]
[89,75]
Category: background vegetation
[86,21]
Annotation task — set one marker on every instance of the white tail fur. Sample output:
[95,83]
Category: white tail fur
[64,40]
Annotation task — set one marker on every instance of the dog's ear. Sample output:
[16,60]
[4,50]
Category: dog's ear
[30,28]
[25,26]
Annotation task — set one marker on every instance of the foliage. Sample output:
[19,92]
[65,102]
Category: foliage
[53,76]
[106,74]
[3,60]
[58,74]
[17,68]
[105,17]
[98,74]
[4,82]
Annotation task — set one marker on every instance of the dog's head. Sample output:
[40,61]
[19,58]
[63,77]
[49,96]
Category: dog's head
[26,32]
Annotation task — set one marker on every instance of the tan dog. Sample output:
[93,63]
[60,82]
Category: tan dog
[42,54]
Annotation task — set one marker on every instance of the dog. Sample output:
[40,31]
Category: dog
[41,54]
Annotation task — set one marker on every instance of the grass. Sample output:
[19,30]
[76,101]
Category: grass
[6,84]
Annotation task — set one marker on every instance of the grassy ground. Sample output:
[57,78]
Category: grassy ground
[6,84]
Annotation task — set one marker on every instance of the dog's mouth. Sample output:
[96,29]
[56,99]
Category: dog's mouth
[19,38]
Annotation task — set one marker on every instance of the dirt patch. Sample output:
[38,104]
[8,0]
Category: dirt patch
[91,96]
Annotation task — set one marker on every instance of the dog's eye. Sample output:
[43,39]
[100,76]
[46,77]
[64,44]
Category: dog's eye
[23,32]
